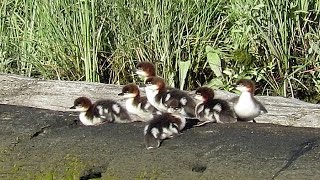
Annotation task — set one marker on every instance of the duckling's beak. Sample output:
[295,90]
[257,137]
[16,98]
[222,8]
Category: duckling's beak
[120,94]
[73,107]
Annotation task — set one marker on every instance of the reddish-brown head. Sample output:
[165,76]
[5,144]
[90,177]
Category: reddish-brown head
[246,85]
[204,93]
[130,91]
[155,83]
[146,69]
[81,104]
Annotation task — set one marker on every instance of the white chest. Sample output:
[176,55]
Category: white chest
[137,110]
[151,96]
[246,107]
[88,121]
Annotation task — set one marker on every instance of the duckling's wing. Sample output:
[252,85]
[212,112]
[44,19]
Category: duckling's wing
[233,99]
[262,108]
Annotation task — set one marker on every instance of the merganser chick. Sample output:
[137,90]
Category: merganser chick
[137,104]
[155,92]
[175,108]
[158,95]
[246,106]
[162,127]
[186,103]
[100,112]
[145,69]
[212,110]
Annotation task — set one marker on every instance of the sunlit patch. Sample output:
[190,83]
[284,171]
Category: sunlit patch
[216,116]
[168,96]
[183,101]
[145,129]
[217,107]
[155,132]
[116,108]
[147,105]
[100,110]
[173,129]
[207,111]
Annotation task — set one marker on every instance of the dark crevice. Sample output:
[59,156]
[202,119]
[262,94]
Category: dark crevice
[92,174]
[74,124]
[301,150]
[199,168]
[42,130]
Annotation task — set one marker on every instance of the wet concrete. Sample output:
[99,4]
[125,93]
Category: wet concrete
[46,144]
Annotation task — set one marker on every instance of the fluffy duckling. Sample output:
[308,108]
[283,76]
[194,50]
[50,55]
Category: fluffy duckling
[145,69]
[158,94]
[246,106]
[212,110]
[137,104]
[155,92]
[100,112]
[162,127]
[175,107]
[186,103]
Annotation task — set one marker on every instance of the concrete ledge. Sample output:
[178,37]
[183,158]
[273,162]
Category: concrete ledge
[59,95]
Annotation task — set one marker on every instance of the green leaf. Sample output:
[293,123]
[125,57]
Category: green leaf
[214,61]
[216,83]
[183,71]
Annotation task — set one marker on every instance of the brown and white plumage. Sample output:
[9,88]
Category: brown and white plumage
[145,69]
[212,110]
[246,106]
[164,126]
[101,111]
[137,104]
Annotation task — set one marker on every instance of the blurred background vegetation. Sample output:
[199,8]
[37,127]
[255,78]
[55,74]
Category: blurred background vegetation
[192,42]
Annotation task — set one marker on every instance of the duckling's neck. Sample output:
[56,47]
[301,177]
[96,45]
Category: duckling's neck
[246,97]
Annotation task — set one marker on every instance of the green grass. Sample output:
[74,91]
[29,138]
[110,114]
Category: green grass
[192,43]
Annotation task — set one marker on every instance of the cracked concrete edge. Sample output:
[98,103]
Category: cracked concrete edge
[59,96]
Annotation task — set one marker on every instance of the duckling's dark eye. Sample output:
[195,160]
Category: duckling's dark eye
[176,108]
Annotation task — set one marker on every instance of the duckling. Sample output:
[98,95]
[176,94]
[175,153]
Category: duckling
[155,92]
[212,110]
[186,103]
[162,127]
[145,69]
[246,106]
[100,112]
[137,104]
[175,108]
[158,94]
